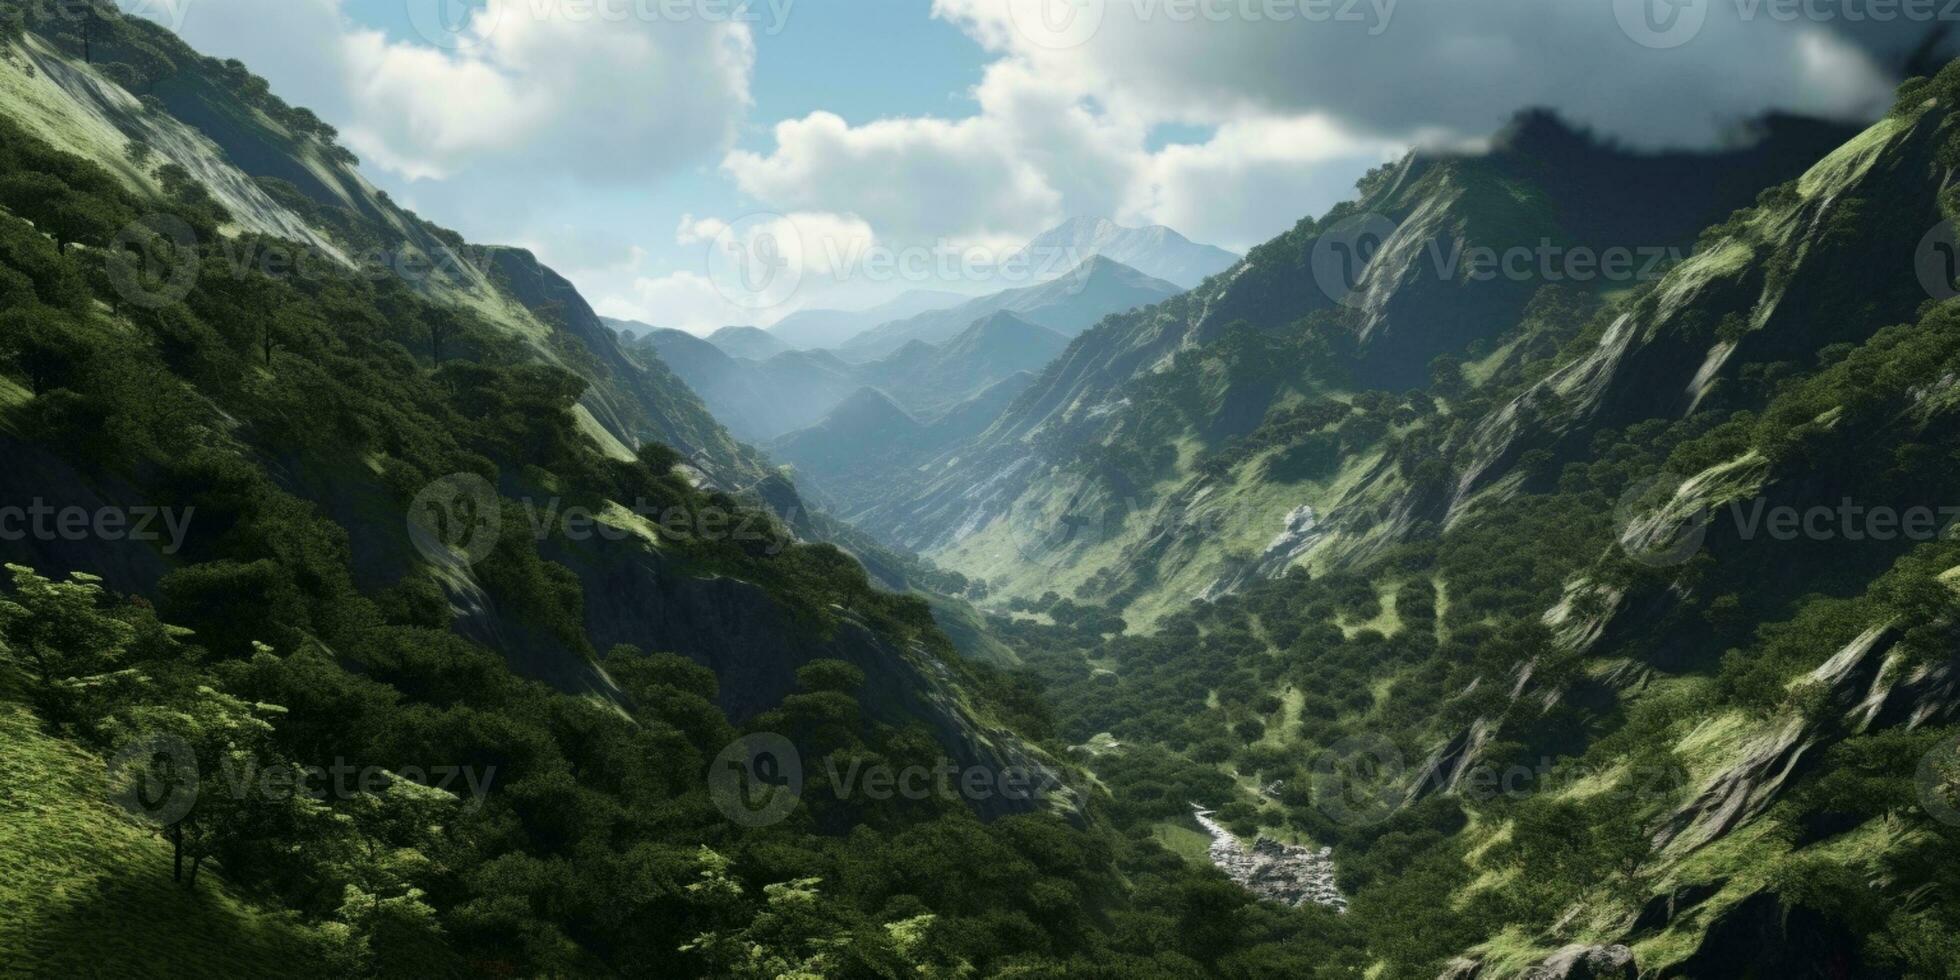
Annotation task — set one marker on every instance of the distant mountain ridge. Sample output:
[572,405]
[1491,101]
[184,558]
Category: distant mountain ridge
[813,329]
[754,343]
[1153,250]
[1096,288]
[928,363]
[1541,180]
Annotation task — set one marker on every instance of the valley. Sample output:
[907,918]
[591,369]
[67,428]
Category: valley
[1536,564]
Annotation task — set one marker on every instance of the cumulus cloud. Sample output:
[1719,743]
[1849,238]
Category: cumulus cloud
[1036,153]
[1396,67]
[593,91]
[914,178]
[750,269]
[1253,178]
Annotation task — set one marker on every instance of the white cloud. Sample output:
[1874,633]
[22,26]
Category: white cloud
[752,269]
[1401,66]
[1036,153]
[1254,178]
[557,89]
[912,178]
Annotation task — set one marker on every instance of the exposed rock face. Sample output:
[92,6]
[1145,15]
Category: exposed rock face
[1762,937]
[1854,676]
[1579,962]
[1661,910]
[1575,962]
[1274,871]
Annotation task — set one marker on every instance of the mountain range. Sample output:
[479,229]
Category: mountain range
[1155,251]
[1068,305]
[1537,566]
[814,329]
[929,363]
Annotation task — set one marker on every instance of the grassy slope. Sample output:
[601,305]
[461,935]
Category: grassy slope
[87,890]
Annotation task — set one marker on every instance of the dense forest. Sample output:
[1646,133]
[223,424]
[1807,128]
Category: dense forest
[303,718]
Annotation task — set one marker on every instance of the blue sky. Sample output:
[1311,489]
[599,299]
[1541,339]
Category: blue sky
[635,144]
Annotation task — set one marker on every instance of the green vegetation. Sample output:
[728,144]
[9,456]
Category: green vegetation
[1562,743]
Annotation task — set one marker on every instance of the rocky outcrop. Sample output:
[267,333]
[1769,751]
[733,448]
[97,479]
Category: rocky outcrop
[1575,962]
[1580,962]
[1761,936]
[1747,786]
[1272,870]
[1662,910]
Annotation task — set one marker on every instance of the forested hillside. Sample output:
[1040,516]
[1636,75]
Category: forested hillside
[372,609]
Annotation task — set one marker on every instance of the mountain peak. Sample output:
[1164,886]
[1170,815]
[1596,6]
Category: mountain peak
[753,343]
[867,409]
[1154,250]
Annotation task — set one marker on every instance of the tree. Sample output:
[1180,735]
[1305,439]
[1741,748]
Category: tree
[78,219]
[58,633]
[443,323]
[40,344]
[229,748]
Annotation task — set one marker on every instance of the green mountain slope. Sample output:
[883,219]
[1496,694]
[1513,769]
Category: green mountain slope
[1139,465]
[1541,666]
[438,523]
